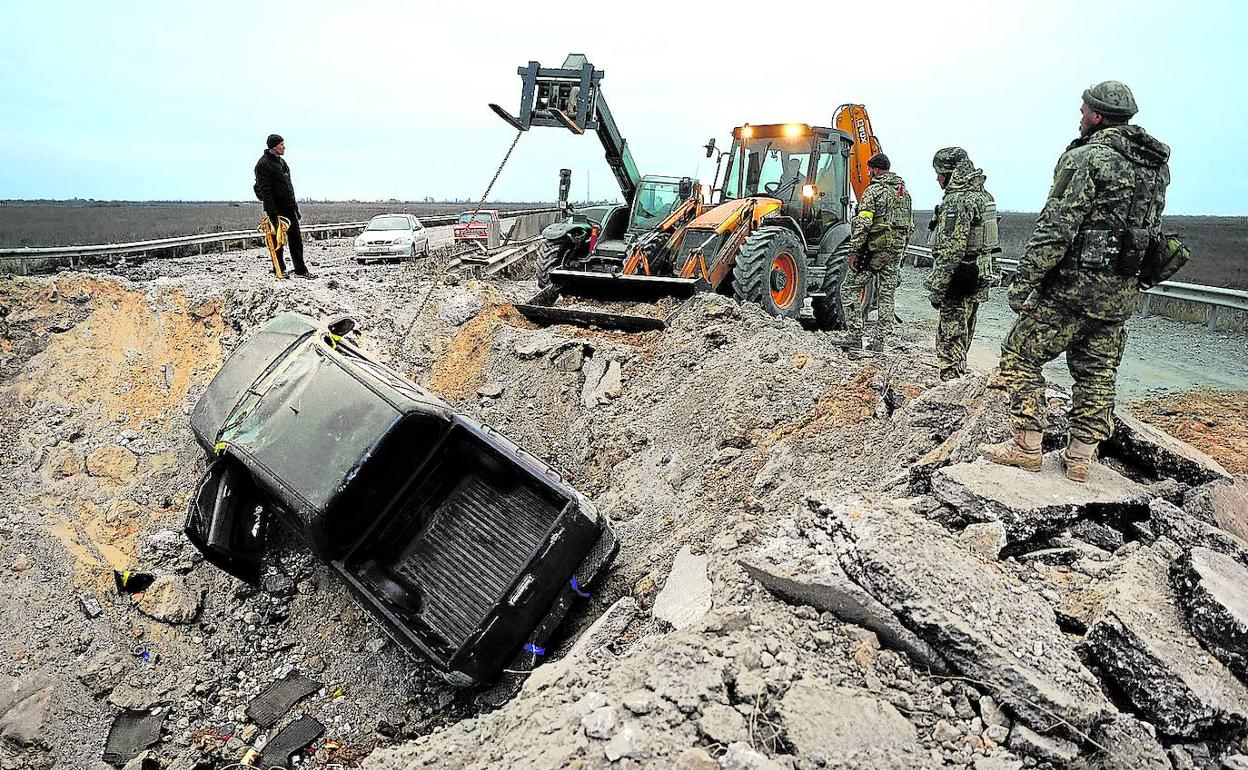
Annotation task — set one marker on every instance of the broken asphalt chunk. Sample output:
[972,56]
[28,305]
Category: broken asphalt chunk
[819,581]
[1158,454]
[983,622]
[1222,503]
[1143,646]
[1213,589]
[1031,504]
[267,708]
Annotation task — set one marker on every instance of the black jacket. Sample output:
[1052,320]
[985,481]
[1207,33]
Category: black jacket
[273,186]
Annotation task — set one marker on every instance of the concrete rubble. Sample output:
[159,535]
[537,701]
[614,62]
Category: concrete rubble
[1214,594]
[816,571]
[1145,648]
[961,606]
[1157,454]
[686,595]
[982,491]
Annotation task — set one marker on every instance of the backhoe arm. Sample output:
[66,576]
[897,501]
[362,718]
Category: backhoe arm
[854,120]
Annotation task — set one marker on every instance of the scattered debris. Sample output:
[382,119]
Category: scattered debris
[132,732]
[267,708]
[294,737]
[128,582]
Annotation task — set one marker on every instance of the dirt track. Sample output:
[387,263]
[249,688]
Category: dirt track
[1162,356]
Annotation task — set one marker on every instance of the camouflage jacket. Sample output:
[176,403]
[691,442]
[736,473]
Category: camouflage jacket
[1093,187]
[963,206]
[884,221]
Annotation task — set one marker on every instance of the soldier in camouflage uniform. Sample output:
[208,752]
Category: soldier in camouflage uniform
[877,239]
[1077,282]
[961,256]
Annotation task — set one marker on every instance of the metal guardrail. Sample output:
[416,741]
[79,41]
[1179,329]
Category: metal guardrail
[1215,297]
[146,248]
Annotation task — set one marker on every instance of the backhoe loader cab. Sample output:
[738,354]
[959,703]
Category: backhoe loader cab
[804,167]
[776,235]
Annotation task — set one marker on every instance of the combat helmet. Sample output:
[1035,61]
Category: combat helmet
[1112,99]
[947,159]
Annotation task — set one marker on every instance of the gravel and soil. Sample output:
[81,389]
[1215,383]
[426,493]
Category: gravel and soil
[730,437]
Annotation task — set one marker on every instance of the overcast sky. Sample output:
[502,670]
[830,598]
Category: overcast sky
[140,100]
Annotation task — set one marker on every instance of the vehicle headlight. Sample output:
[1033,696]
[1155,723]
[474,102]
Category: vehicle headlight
[359,241]
[404,241]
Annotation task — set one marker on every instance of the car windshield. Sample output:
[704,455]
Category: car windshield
[771,165]
[653,203]
[478,217]
[390,223]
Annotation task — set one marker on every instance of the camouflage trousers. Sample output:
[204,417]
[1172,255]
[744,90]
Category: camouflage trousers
[953,335]
[1093,351]
[886,296]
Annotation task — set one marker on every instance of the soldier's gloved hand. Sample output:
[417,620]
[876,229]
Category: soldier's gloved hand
[1019,299]
[931,224]
[855,260]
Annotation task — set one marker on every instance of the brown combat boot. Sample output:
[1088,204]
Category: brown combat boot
[853,345]
[1022,451]
[1077,459]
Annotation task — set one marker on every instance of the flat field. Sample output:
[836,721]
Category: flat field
[76,223]
[1219,244]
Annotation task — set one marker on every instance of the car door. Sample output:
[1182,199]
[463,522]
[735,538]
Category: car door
[420,236]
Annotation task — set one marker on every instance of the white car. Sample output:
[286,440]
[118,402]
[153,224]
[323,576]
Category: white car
[392,236]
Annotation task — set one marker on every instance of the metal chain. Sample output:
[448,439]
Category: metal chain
[497,172]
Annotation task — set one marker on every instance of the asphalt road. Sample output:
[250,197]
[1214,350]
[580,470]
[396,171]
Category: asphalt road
[1162,356]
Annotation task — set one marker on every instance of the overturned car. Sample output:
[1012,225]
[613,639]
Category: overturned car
[467,548]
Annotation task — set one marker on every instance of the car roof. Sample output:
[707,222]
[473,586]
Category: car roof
[379,216]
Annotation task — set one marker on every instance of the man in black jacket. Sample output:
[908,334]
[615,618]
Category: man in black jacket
[277,193]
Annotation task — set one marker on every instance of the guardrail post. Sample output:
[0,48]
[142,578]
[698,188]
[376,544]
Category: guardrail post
[1213,317]
[1148,304]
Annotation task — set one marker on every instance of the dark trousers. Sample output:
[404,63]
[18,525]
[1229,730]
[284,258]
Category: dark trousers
[295,239]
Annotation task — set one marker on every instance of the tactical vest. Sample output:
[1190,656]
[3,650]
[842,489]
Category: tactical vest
[1124,251]
[899,215]
[984,235]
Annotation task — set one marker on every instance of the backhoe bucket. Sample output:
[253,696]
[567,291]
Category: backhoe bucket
[608,300]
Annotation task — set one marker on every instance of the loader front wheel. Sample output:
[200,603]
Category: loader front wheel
[551,255]
[770,269]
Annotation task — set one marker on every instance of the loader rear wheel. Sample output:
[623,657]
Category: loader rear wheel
[829,312]
[770,269]
[550,255]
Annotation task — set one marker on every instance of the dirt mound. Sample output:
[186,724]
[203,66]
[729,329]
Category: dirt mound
[731,436]
[1214,421]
